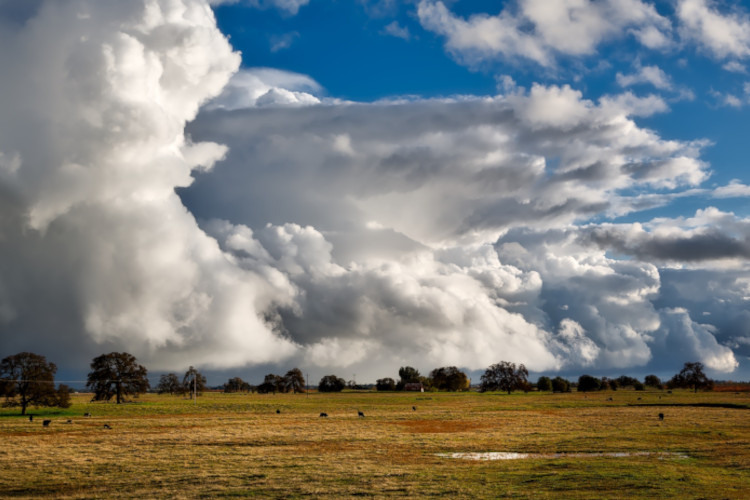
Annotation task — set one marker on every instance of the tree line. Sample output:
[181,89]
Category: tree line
[27,379]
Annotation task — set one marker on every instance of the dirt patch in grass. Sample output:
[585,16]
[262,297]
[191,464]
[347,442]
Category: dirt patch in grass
[440,426]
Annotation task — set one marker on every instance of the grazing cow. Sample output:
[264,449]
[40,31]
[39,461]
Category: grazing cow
[414,408]
[106,426]
[31,418]
[661,416]
[45,423]
[639,399]
[87,414]
[278,411]
[324,414]
[361,414]
[610,399]
[69,421]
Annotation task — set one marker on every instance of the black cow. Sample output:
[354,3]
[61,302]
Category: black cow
[45,423]
[661,416]
[324,414]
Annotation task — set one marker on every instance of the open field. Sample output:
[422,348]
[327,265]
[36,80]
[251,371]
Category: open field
[237,445]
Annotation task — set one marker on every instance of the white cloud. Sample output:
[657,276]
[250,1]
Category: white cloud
[735,67]
[652,75]
[395,29]
[290,6]
[257,87]
[93,151]
[409,197]
[735,189]
[540,31]
[283,41]
[482,36]
[723,34]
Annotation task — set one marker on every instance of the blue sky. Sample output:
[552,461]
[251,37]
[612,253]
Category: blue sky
[352,186]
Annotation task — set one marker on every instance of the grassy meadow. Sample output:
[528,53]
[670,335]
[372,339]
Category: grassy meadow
[236,445]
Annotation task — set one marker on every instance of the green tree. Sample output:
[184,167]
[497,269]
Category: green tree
[116,374]
[27,379]
[193,382]
[236,384]
[385,384]
[504,376]
[271,383]
[560,384]
[294,381]
[625,381]
[331,383]
[169,384]
[449,378]
[692,377]
[653,381]
[544,384]
[407,375]
[588,383]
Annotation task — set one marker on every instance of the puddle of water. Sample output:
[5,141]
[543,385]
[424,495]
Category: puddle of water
[505,455]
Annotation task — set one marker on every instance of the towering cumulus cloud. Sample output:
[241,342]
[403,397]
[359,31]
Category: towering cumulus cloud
[148,203]
[97,250]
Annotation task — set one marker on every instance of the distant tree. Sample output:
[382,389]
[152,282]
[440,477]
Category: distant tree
[544,384]
[653,381]
[331,383]
[560,384]
[449,378]
[271,383]
[193,382]
[236,384]
[638,386]
[27,379]
[385,384]
[504,376]
[116,374]
[611,383]
[588,383]
[625,381]
[169,384]
[407,375]
[63,396]
[692,377]
[294,381]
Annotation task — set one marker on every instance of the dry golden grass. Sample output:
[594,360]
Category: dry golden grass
[236,446]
